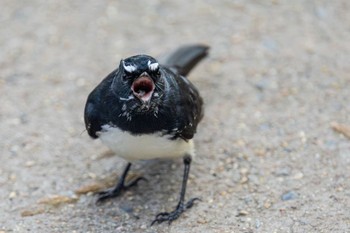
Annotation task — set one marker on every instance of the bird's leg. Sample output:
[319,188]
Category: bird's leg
[181,206]
[120,186]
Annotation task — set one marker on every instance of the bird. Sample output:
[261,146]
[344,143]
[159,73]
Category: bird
[148,109]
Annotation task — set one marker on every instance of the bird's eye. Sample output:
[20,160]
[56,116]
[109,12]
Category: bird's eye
[157,72]
[124,77]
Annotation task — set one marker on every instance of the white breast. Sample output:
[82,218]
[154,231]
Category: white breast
[147,146]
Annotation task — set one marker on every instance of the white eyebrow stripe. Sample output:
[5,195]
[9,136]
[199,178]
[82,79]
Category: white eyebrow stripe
[153,66]
[129,68]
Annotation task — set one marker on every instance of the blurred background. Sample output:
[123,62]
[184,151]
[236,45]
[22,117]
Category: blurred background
[273,148]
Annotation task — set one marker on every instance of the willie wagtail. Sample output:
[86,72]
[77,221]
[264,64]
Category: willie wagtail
[145,110]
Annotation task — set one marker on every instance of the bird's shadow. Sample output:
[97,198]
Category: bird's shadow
[157,192]
[160,191]
[160,173]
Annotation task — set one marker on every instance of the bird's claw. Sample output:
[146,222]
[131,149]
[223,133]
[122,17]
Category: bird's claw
[171,216]
[114,192]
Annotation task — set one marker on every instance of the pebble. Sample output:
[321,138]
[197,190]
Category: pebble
[262,85]
[223,193]
[283,171]
[242,213]
[267,204]
[244,170]
[30,163]
[127,208]
[12,195]
[257,223]
[270,44]
[120,229]
[202,221]
[243,180]
[302,136]
[298,176]
[92,175]
[291,195]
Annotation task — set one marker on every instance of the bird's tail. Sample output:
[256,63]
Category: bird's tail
[183,59]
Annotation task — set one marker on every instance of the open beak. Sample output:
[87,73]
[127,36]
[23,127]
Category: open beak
[143,87]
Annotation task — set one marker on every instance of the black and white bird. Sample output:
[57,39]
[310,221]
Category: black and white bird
[146,110]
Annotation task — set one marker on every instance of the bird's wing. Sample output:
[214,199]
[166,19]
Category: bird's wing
[94,113]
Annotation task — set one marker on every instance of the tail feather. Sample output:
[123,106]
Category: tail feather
[185,58]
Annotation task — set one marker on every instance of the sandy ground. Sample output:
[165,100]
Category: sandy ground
[268,158]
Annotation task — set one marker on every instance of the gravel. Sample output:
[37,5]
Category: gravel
[276,89]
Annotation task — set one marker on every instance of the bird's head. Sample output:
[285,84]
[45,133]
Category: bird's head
[138,83]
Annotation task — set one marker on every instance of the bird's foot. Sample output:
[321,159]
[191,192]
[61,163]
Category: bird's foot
[171,216]
[114,192]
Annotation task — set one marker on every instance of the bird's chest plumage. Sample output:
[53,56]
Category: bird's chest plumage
[133,120]
[144,146]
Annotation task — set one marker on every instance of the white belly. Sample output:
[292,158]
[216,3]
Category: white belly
[148,146]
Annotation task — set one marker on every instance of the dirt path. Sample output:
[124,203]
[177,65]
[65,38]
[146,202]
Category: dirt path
[269,158]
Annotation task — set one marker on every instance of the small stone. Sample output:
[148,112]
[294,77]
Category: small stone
[244,180]
[260,152]
[92,175]
[120,229]
[13,177]
[257,223]
[340,189]
[127,208]
[30,163]
[283,171]
[240,143]
[289,196]
[202,221]
[302,136]
[12,195]
[223,193]
[242,213]
[243,170]
[267,204]
[298,176]
[14,149]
